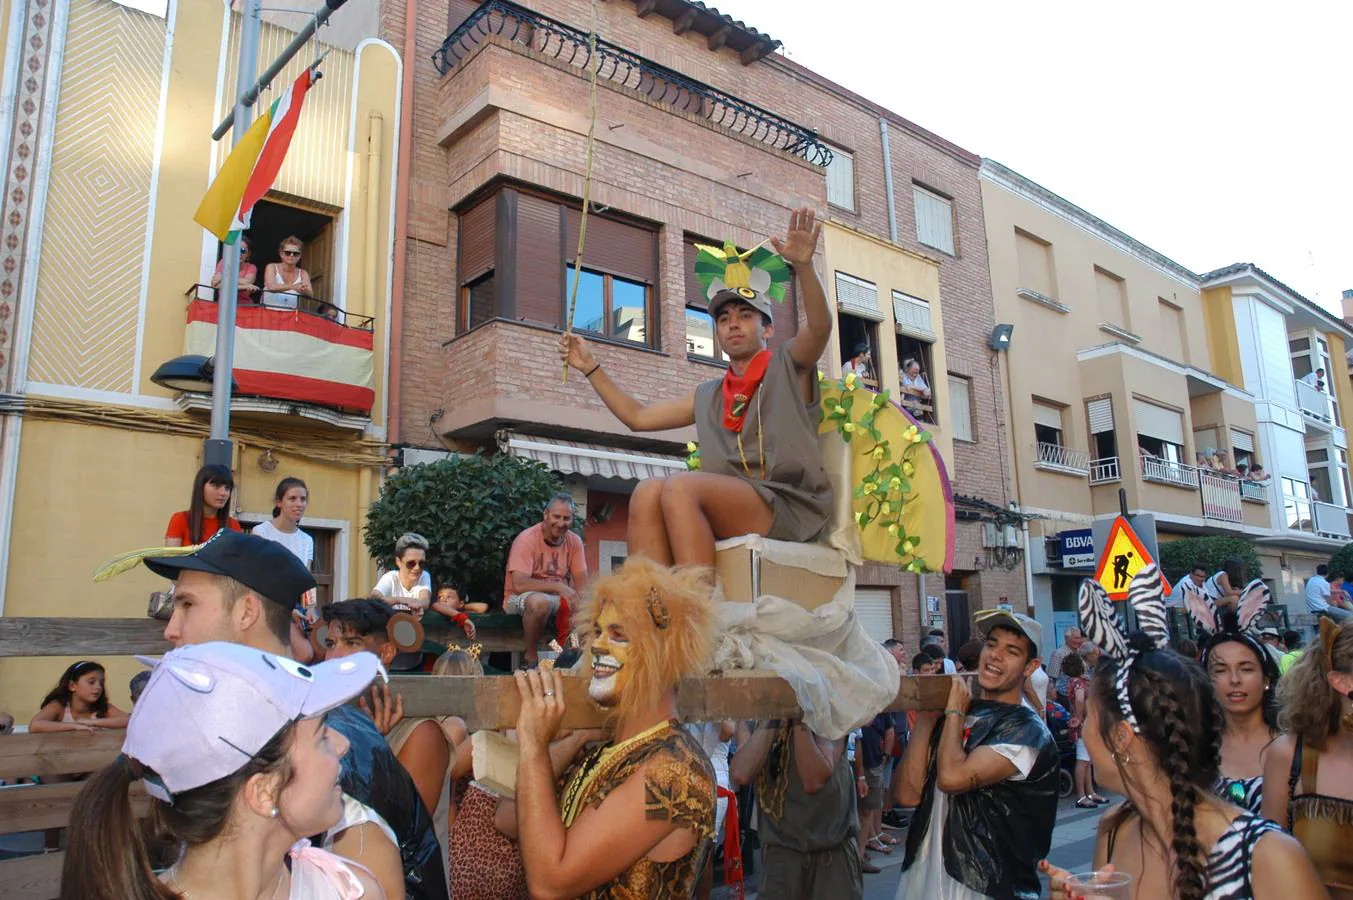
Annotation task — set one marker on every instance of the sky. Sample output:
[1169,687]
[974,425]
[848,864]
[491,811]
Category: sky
[1212,132]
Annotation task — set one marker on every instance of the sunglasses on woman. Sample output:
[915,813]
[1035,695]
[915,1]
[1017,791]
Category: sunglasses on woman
[413,563]
[291,253]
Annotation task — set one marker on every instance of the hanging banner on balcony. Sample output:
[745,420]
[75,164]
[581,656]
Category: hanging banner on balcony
[1124,556]
[292,355]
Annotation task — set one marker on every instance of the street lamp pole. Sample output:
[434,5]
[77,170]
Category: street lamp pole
[218,449]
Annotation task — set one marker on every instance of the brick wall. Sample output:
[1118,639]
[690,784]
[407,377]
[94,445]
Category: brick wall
[670,168]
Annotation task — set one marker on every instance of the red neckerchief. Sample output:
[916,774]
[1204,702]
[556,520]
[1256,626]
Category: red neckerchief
[563,617]
[732,844]
[738,390]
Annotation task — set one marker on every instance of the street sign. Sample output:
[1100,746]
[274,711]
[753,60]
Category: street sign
[1077,548]
[1124,556]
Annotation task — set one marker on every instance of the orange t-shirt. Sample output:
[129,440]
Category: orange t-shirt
[531,556]
[178,527]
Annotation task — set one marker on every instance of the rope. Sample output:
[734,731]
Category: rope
[587,182]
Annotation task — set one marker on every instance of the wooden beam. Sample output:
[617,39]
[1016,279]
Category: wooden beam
[48,636]
[720,37]
[685,21]
[492,703]
[34,807]
[32,877]
[752,52]
[645,7]
[58,753]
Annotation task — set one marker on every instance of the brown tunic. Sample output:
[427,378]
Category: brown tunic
[795,484]
[678,788]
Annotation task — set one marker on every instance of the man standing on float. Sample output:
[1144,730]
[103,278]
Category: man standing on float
[760,467]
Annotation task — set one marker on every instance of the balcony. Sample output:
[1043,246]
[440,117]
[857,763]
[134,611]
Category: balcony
[1166,471]
[1221,496]
[569,46]
[1056,458]
[1105,471]
[1314,404]
[292,355]
[1254,491]
[1331,521]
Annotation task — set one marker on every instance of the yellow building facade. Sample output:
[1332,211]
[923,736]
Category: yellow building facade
[108,153]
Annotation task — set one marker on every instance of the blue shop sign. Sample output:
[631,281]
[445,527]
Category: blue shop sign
[1077,548]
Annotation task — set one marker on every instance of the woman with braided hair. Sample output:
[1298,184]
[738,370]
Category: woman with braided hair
[1309,772]
[1154,732]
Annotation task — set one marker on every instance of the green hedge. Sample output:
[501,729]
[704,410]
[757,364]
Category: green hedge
[1177,558]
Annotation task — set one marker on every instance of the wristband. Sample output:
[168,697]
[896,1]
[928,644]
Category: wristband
[460,618]
[955,712]
[860,778]
[592,371]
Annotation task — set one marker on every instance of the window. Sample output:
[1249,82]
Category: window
[273,222]
[934,219]
[1160,444]
[910,350]
[609,305]
[1174,344]
[841,180]
[1112,294]
[1103,438]
[1242,449]
[702,342]
[960,407]
[529,277]
[1343,478]
[911,315]
[1297,505]
[1035,264]
[1047,424]
[857,295]
[859,334]
[1318,468]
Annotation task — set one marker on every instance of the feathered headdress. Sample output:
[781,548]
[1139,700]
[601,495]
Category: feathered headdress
[1101,625]
[757,272]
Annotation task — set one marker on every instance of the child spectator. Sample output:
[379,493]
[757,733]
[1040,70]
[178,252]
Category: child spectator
[78,703]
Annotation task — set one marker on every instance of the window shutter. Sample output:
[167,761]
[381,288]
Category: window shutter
[857,296]
[934,219]
[1158,422]
[477,235]
[1240,440]
[616,247]
[874,609]
[841,180]
[1101,415]
[911,316]
[960,408]
[1047,416]
[540,260]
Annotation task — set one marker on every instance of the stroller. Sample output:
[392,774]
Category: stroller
[1059,723]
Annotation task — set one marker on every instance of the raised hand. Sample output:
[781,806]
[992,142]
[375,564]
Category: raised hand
[542,707]
[574,352]
[799,245]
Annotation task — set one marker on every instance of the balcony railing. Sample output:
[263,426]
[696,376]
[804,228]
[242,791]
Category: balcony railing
[619,66]
[1331,520]
[1168,471]
[1221,497]
[289,300]
[1254,491]
[1061,459]
[1314,402]
[1105,470]
[292,355]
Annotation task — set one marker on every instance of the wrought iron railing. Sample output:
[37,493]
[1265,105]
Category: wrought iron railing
[1105,470]
[618,65]
[1221,497]
[1055,456]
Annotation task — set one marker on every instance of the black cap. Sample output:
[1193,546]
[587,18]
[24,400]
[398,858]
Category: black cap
[261,565]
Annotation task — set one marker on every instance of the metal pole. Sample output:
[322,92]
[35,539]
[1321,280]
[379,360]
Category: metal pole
[218,449]
[888,180]
[250,97]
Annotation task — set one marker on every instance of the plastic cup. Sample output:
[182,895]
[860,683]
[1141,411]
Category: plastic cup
[1100,885]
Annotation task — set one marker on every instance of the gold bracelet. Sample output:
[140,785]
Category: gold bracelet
[955,712]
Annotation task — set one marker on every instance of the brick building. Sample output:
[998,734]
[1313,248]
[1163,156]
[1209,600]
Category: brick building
[702,132]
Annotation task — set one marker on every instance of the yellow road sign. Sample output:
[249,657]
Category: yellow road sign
[1123,557]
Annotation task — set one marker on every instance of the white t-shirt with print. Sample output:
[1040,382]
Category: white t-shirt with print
[926,877]
[301,545]
[391,588]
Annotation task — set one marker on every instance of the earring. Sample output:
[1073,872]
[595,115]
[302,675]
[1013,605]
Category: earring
[275,813]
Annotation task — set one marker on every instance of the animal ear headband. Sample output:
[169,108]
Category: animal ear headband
[403,630]
[1202,606]
[1101,625]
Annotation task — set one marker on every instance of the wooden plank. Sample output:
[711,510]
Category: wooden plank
[492,702]
[55,636]
[58,753]
[34,807]
[32,877]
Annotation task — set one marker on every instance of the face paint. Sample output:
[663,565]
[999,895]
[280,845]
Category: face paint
[610,653]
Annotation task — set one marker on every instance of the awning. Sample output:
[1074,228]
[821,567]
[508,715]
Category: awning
[573,457]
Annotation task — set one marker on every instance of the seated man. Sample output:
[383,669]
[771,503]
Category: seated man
[636,815]
[243,589]
[761,468]
[545,570]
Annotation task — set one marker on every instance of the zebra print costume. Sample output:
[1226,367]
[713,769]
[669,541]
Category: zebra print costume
[1247,793]
[1232,858]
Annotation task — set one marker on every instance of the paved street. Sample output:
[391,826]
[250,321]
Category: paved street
[1073,847]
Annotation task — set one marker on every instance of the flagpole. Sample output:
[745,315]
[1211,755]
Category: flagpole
[218,449]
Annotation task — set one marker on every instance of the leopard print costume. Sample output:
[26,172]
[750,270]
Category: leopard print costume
[485,863]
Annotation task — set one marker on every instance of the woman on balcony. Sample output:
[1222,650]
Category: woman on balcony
[248,283]
[208,509]
[285,281]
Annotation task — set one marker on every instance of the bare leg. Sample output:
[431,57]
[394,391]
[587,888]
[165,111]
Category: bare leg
[537,610]
[700,508]
[647,534]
